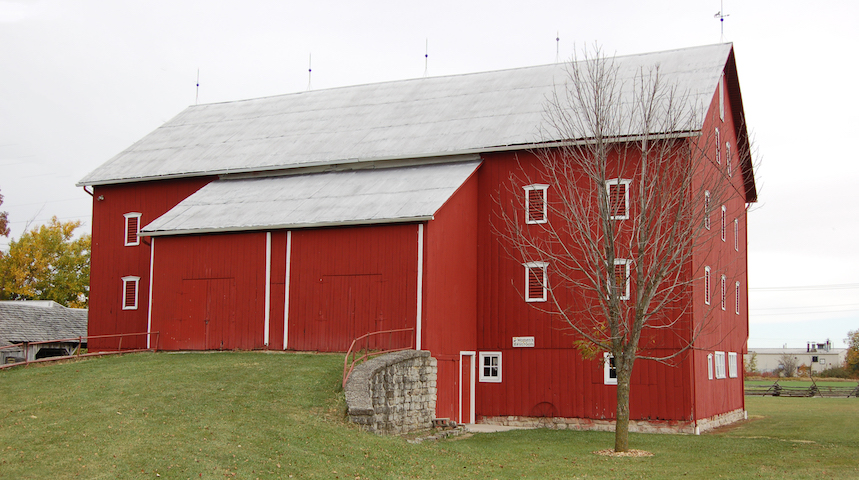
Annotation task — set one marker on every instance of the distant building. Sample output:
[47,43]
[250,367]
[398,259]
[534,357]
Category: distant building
[23,324]
[817,356]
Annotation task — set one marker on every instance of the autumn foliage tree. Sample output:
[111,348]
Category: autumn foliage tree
[628,190]
[4,221]
[852,361]
[48,263]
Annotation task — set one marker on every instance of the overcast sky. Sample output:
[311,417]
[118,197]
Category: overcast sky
[82,80]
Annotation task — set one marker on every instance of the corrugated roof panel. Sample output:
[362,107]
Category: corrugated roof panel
[352,197]
[405,119]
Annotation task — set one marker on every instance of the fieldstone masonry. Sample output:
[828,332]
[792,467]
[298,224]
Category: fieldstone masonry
[393,393]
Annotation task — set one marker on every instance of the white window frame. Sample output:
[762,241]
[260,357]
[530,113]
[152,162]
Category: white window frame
[732,364]
[728,159]
[618,182]
[626,263]
[608,369]
[722,97]
[737,298]
[528,189]
[136,241]
[724,289]
[719,361]
[724,224]
[706,285]
[710,366]
[718,147]
[707,209]
[536,265]
[492,377]
[130,280]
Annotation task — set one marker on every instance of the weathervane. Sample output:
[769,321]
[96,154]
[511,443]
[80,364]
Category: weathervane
[557,46]
[309,71]
[721,16]
[426,58]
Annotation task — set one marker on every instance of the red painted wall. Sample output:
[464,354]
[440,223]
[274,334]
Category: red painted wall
[348,281]
[209,291]
[721,330]
[552,377]
[112,260]
[450,292]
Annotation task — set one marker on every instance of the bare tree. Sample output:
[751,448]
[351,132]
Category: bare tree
[632,181]
[787,364]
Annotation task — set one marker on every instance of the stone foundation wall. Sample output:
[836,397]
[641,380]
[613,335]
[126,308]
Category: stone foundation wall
[642,426]
[393,393]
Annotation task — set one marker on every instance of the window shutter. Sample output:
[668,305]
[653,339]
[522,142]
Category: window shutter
[536,204]
[535,282]
[620,278]
[131,234]
[130,294]
[617,200]
[707,285]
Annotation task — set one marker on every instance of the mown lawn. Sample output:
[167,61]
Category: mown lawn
[257,415]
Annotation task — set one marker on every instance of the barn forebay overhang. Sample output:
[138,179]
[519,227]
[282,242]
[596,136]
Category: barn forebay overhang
[358,197]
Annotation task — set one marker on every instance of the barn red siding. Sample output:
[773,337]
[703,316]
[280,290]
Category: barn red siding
[450,291]
[209,291]
[552,377]
[348,281]
[721,330]
[112,260]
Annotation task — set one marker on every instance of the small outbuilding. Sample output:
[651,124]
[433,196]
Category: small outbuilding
[32,330]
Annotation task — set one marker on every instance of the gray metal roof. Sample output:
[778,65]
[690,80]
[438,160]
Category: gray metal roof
[38,321]
[355,197]
[418,118]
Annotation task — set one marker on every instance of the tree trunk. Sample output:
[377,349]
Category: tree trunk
[621,426]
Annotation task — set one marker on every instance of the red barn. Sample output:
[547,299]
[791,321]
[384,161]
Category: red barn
[301,221]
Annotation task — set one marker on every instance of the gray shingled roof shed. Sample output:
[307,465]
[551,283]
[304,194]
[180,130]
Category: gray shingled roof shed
[39,321]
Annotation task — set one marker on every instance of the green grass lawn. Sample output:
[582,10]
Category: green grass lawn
[257,415]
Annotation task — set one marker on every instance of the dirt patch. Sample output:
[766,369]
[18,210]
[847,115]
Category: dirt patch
[630,453]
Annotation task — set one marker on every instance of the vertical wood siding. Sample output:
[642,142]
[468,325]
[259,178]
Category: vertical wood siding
[112,260]
[722,330]
[209,291]
[552,378]
[348,281]
[450,290]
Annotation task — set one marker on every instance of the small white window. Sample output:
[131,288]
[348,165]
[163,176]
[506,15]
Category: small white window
[609,369]
[490,367]
[728,158]
[732,364]
[706,285]
[132,229]
[536,282]
[737,234]
[620,278]
[710,366]
[707,209]
[718,147]
[722,97]
[720,364]
[724,291]
[618,198]
[737,298]
[535,203]
[129,292]
[723,225]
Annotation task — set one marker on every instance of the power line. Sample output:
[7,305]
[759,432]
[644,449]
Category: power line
[837,286]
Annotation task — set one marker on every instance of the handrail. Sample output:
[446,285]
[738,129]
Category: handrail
[77,352]
[348,367]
